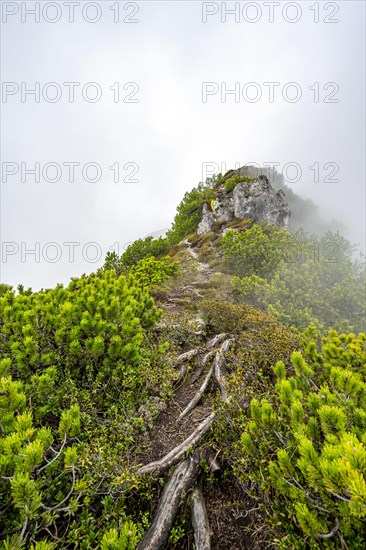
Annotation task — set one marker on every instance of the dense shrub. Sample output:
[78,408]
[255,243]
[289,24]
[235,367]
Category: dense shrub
[142,248]
[256,251]
[261,339]
[77,371]
[304,444]
[318,281]
[138,250]
[153,272]
[189,212]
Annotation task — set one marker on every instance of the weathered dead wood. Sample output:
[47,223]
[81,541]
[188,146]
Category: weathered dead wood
[201,526]
[220,370]
[186,356]
[175,454]
[198,372]
[219,338]
[182,479]
[197,396]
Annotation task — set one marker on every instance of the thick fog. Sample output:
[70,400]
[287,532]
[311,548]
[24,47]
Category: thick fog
[149,98]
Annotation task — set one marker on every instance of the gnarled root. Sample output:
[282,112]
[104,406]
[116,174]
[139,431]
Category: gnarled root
[182,479]
[175,454]
[186,356]
[201,526]
[220,370]
[198,372]
[191,405]
[219,338]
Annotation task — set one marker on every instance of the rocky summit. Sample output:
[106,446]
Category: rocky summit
[243,197]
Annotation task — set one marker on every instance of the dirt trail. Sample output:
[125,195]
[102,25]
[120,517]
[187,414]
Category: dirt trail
[205,369]
[167,433]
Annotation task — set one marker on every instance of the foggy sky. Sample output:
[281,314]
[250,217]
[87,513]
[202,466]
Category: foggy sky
[171,132]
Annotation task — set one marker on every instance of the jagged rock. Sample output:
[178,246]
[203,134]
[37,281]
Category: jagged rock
[256,200]
[260,202]
[207,222]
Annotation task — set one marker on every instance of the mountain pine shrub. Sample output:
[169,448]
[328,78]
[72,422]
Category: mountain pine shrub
[303,446]
[80,374]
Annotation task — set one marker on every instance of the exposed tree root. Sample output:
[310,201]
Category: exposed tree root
[219,338]
[220,370]
[186,356]
[182,479]
[196,398]
[201,526]
[175,454]
[198,372]
[185,474]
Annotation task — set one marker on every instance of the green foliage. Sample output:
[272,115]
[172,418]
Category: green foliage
[300,279]
[125,540]
[78,368]
[231,183]
[252,290]
[150,271]
[305,442]
[324,283]
[143,248]
[189,211]
[137,251]
[256,251]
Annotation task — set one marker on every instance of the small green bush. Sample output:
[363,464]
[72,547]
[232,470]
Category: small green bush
[150,271]
[189,212]
[305,444]
[138,250]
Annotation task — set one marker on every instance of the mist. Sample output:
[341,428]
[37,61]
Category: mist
[162,98]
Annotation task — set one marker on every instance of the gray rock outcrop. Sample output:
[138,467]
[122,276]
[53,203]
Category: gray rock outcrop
[255,200]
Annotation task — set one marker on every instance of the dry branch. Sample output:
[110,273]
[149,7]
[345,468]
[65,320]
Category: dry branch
[175,454]
[186,356]
[182,479]
[216,340]
[201,526]
[210,455]
[197,396]
[182,375]
[198,372]
[220,370]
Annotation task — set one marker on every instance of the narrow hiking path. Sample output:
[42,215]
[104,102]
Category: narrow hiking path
[175,446]
[202,266]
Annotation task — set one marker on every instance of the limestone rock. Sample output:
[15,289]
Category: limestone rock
[255,200]
[260,202]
